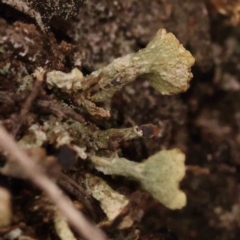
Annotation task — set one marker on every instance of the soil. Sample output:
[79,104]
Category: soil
[204,122]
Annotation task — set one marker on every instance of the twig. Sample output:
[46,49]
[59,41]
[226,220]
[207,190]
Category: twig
[36,174]
[59,111]
[197,170]
[6,98]
[79,192]
[11,98]
[46,105]
[28,103]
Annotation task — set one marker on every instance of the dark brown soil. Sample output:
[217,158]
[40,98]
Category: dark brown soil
[204,122]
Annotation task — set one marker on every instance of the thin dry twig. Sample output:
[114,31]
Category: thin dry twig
[37,176]
[11,98]
[39,74]
[44,105]
[79,192]
[6,98]
[197,170]
[59,111]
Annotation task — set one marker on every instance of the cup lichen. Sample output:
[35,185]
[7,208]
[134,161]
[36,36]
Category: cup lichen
[160,174]
[165,63]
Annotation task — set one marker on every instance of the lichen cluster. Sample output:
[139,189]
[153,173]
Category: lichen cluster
[78,102]
[166,65]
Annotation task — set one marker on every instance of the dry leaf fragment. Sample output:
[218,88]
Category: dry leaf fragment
[160,174]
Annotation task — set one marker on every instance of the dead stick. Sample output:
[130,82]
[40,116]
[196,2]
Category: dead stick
[36,174]
[76,190]
[60,111]
[39,74]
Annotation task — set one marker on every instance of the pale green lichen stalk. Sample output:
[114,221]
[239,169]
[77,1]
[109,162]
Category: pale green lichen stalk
[160,174]
[165,63]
